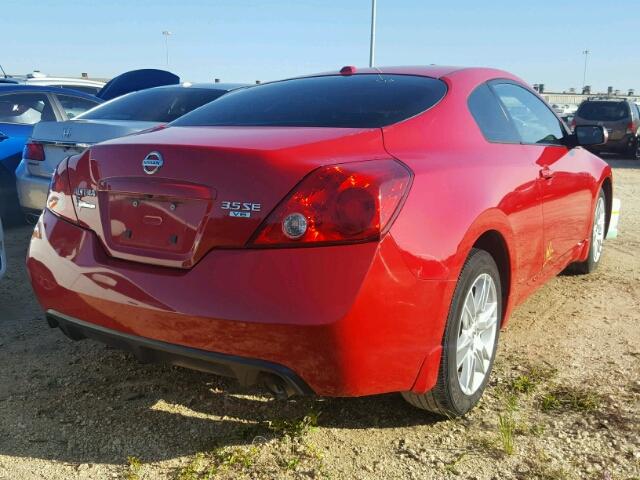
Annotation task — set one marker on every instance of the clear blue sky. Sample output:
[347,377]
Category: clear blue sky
[244,40]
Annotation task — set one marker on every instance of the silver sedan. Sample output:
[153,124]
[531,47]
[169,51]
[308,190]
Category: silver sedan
[51,142]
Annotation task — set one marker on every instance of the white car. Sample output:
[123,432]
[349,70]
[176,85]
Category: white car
[38,78]
[3,258]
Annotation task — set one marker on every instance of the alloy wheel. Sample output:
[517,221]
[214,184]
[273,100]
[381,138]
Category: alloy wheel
[598,230]
[477,334]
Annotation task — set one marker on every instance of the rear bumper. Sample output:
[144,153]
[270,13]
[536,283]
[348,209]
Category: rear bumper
[246,370]
[347,321]
[619,145]
[32,190]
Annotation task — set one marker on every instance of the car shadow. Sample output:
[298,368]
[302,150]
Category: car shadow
[83,402]
[98,405]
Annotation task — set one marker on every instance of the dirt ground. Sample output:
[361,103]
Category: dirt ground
[564,400]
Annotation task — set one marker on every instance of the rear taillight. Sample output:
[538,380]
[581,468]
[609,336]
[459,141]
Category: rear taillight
[33,151]
[345,203]
[631,128]
[60,198]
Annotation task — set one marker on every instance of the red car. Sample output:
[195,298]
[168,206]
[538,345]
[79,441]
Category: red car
[342,234]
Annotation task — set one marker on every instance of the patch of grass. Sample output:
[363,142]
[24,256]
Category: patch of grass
[569,398]
[531,379]
[134,466]
[541,469]
[506,430]
[511,403]
[523,384]
[536,429]
[235,457]
[294,429]
[452,467]
[208,465]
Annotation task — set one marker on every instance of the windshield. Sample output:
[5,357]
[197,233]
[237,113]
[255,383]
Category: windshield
[355,101]
[161,105]
[603,111]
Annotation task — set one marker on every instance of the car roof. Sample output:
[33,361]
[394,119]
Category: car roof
[75,81]
[432,71]
[606,99]
[208,86]
[18,87]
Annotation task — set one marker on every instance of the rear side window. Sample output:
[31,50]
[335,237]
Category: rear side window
[161,105]
[355,101]
[533,119]
[74,106]
[25,108]
[491,117]
[603,111]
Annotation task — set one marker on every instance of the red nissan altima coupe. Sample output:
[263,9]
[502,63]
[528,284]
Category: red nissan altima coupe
[343,234]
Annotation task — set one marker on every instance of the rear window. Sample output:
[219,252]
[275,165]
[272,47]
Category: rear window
[603,111]
[356,101]
[154,105]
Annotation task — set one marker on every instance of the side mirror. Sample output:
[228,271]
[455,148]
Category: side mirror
[3,136]
[587,135]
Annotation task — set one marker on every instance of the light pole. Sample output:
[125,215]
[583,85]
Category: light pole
[166,34]
[584,75]
[372,45]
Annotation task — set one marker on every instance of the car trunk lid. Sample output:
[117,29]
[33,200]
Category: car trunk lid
[61,139]
[213,187]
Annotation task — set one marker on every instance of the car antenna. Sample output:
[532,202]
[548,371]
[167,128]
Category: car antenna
[3,72]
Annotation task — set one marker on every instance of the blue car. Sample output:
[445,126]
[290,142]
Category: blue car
[21,107]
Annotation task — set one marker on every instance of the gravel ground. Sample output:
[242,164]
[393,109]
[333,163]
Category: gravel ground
[564,400]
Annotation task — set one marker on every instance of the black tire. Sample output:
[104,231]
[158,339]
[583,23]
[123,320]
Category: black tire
[447,398]
[10,212]
[593,260]
[633,152]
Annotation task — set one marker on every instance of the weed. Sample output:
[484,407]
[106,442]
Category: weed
[511,403]
[568,398]
[506,429]
[295,429]
[192,470]
[451,467]
[529,381]
[537,429]
[235,457]
[134,467]
[207,465]
[523,384]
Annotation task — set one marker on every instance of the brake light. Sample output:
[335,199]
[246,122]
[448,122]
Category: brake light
[60,199]
[631,128]
[345,203]
[33,151]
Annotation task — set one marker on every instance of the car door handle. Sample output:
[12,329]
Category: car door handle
[546,173]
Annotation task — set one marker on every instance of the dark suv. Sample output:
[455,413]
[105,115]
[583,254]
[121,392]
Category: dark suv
[621,118]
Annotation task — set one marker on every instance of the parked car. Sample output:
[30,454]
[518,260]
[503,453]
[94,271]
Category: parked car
[40,79]
[620,117]
[21,107]
[332,234]
[3,257]
[127,114]
[135,80]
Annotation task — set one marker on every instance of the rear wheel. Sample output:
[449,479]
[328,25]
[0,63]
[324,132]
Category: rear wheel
[469,342]
[634,150]
[596,245]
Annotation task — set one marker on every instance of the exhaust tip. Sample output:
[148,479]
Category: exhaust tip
[277,386]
